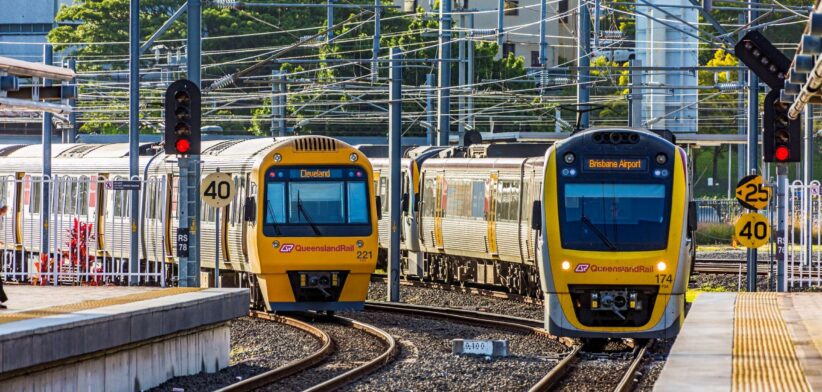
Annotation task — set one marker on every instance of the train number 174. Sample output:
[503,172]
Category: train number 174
[664,278]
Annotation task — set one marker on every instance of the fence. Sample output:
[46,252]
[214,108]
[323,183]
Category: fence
[717,211]
[89,231]
[803,236]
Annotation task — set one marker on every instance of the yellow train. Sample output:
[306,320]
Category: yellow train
[616,235]
[301,231]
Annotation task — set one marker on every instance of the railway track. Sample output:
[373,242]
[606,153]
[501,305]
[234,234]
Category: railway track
[568,365]
[316,358]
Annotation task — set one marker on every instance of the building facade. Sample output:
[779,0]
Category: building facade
[24,25]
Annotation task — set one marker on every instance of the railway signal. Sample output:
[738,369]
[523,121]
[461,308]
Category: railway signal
[782,136]
[182,105]
[764,59]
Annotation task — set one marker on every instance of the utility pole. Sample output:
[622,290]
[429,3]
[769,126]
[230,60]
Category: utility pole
[807,177]
[469,117]
[740,103]
[543,43]
[753,150]
[500,24]
[584,62]
[375,46]
[461,79]
[134,137]
[444,92]
[190,166]
[72,135]
[781,199]
[329,16]
[277,104]
[429,109]
[45,196]
[395,180]
[635,99]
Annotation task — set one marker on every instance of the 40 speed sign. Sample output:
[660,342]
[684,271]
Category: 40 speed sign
[217,190]
[752,230]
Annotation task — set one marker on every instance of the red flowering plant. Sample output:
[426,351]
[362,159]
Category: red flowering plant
[77,257]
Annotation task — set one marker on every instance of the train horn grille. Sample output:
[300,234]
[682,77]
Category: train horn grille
[315,144]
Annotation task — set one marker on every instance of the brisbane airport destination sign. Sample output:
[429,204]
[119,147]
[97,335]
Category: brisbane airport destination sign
[616,164]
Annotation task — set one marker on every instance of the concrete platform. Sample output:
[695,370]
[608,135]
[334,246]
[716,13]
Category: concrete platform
[112,338]
[748,341]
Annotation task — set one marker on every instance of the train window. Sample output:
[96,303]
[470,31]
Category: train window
[121,204]
[3,190]
[595,214]
[383,192]
[275,203]
[459,198]
[507,201]
[478,199]
[316,202]
[428,201]
[34,195]
[357,203]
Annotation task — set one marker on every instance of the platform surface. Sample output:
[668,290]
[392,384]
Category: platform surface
[748,342]
[44,324]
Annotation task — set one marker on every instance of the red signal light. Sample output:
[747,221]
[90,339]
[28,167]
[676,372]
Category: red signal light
[782,153]
[182,146]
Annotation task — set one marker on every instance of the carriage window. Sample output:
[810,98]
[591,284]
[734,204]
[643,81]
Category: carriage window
[507,201]
[428,201]
[383,192]
[357,203]
[121,204]
[3,190]
[478,199]
[34,195]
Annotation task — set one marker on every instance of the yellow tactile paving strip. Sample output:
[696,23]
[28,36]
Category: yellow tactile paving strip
[764,357]
[93,304]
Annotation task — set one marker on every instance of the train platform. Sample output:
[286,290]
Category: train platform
[112,338]
[748,342]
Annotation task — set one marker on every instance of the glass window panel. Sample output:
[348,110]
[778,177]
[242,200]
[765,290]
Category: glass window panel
[357,203]
[316,202]
[275,203]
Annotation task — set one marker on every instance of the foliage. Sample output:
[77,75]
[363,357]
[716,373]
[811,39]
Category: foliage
[714,233]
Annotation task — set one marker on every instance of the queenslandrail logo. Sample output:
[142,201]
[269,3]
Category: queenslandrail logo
[583,267]
[288,248]
[304,173]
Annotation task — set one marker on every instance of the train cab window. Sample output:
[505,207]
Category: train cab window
[603,216]
[316,201]
[357,203]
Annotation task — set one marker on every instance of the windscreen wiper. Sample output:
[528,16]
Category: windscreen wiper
[270,210]
[599,233]
[305,215]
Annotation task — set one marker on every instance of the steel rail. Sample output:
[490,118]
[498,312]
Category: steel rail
[629,379]
[550,380]
[293,367]
[365,369]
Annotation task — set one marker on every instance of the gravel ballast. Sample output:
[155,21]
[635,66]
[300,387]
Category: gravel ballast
[425,362]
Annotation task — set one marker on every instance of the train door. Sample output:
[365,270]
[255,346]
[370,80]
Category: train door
[491,212]
[439,207]
[100,218]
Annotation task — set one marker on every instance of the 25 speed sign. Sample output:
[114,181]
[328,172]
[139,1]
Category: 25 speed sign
[752,230]
[217,190]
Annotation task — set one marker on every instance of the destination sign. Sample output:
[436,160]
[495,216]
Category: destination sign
[316,173]
[616,164]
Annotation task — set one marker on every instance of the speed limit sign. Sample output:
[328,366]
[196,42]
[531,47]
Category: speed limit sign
[752,230]
[217,189]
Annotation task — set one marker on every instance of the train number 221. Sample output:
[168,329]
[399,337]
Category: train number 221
[364,254]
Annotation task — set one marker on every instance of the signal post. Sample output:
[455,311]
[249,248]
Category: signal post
[182,138]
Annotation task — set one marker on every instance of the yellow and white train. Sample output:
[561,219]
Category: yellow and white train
[301,231]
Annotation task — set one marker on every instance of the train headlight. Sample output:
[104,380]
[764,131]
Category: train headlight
[275,244]
[353,157]
[278,157]
[569,158]
[566,265]
[661,158]
[661,266]
[359,243]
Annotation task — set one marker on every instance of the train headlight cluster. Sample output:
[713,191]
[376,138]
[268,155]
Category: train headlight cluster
[569,158]
[566,265]
[661,158]
[661,266]
[353,157]
[662,173]
[278,157]
[275,244]
[359,243]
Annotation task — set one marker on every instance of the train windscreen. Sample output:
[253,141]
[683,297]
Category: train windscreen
[615,217]
[316,201]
